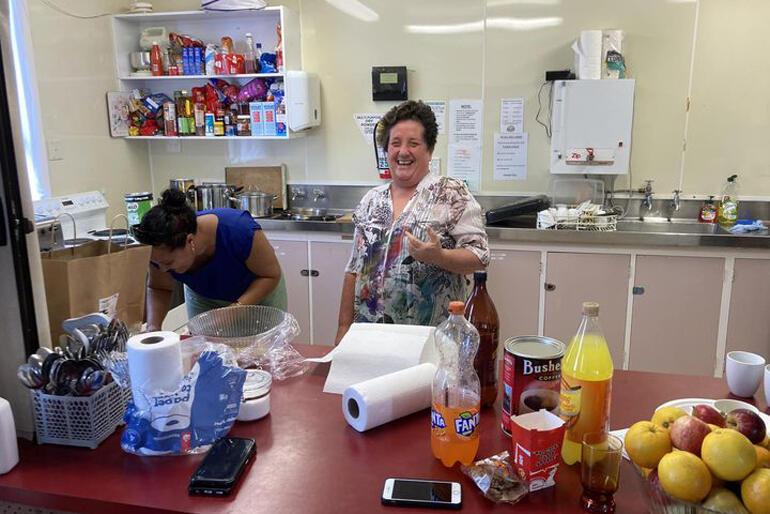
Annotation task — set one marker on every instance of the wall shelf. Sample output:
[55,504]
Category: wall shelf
[202,77]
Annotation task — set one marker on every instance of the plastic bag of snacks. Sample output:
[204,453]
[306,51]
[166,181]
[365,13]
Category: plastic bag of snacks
[497,479]
[254,90]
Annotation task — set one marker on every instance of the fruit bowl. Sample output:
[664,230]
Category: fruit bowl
[658,502]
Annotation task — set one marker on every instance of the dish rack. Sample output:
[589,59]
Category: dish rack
[79,420]
[591,222]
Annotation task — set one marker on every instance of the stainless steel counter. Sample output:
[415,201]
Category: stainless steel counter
[629,233]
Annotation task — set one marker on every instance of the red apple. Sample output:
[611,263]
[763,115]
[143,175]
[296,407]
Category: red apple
[687,433]
[708,414]
[747,423]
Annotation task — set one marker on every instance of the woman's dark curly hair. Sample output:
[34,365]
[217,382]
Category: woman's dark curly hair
[169,222]
[409,110]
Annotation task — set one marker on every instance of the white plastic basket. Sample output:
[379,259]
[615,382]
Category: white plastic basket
[79,420]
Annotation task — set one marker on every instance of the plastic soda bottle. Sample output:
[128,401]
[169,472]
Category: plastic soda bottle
[454,423]
[586,384]
[249,56]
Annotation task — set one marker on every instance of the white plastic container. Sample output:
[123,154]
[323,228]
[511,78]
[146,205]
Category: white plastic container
[256,395]
[9,449]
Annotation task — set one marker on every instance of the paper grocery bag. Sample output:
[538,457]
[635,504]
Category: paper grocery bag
[96,276]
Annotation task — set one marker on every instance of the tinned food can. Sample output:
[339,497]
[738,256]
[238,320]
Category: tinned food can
[531,376]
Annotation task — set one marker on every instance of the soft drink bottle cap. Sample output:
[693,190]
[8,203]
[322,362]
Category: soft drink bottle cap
[456,307]
[590,308]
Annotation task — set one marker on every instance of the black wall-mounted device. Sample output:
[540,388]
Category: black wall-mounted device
[389,83]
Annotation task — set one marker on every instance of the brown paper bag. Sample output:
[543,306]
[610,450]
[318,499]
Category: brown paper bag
[86,278]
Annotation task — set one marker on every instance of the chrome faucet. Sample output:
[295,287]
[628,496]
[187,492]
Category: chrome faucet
[318,194]
[647,195]
[675,201]
[296,193]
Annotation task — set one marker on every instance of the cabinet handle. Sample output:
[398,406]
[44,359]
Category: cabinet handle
[550,287]
[346,237]
[313,273]
[637,290]
[304,272]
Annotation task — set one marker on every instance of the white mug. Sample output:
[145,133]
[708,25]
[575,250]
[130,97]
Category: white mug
[744,373]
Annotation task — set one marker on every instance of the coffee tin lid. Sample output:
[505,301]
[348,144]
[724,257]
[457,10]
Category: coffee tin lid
[133,197]
[535,347]
[257,384]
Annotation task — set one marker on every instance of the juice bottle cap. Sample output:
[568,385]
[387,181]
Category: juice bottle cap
[456,307]
[590,308]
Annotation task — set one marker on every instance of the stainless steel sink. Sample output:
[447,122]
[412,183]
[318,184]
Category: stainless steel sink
[310,214]
[670,227]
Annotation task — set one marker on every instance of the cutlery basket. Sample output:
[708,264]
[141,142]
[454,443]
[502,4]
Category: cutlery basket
[79,420]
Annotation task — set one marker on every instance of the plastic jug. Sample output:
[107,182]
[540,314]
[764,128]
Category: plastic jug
[152,35]
[456,399]
[9,449]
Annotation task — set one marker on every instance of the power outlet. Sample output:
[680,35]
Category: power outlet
[55,150]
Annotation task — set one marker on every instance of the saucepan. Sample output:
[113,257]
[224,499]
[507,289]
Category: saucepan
[258,203]
[215,195]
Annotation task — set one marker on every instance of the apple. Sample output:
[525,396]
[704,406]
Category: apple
[747,423]
[687,433]
[708,414]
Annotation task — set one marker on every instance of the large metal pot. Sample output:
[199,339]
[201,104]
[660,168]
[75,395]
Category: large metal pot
[216,195]
[187,186]
[259,204]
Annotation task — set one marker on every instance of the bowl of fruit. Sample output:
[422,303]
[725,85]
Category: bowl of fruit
[693,458]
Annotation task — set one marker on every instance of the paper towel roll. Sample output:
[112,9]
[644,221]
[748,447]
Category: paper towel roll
[154,364]
[612,40]
[588,54]
[380,400]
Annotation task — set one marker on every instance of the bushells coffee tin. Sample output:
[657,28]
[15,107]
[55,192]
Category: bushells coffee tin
[531,376]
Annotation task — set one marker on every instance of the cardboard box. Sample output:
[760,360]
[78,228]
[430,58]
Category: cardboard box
[537,438]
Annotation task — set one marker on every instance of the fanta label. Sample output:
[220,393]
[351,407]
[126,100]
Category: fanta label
[436,420]
[466,423]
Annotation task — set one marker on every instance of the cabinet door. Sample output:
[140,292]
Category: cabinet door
[749,325]
[676,317]
[574,278]
[328,270]
[513,283]
[292,255]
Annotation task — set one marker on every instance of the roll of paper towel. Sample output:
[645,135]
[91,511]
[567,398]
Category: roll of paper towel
[380,400]
[154,365]
[588,54]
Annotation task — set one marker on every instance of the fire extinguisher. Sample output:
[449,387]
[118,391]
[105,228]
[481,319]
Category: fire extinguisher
[380,155]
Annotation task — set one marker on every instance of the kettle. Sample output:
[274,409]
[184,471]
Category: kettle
[9,449]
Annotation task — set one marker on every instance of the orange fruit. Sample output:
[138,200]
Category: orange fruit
[666,416]
[755,491]
[647,443]
[684,476]
[763,456]
[728,454]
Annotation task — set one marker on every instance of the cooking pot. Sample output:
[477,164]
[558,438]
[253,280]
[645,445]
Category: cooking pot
[187,186]
[258,203]
[216,195]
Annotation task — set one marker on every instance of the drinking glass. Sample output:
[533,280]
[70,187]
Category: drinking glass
[600,471]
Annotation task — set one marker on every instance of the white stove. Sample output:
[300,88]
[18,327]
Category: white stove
[83,217]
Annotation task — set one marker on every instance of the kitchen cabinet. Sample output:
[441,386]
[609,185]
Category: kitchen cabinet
[748,326]
[328,261]
[675,318]
[574,278]
[293,257]
[210,27]
[514,283]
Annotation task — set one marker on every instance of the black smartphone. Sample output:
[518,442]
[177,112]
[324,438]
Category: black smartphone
[222,466]
[422,493]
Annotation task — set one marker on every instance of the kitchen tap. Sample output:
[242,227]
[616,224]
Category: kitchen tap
[675,202]
[318,194]
[647,195]
[297,193]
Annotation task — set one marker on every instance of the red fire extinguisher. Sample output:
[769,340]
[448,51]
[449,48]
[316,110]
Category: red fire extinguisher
[381,155]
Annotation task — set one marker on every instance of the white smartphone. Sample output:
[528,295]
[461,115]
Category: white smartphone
[422,493]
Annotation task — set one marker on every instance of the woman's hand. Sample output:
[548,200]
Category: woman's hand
[429,251]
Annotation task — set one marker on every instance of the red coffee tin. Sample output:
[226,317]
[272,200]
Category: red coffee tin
[531,376]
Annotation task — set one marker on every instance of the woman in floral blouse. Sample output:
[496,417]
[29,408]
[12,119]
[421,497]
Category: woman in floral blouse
[416,237]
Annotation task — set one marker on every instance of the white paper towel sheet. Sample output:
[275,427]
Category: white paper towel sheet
[154,365]
[383,399]
[371,350]
[588,54]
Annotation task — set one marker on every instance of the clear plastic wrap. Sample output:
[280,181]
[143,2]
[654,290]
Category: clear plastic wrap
[497,479]
[261,336]
[195,415]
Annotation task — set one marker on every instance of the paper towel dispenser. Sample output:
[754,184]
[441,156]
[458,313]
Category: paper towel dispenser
[303,100]
[591,125]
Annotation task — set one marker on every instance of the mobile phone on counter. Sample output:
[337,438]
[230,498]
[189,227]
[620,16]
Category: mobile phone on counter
[222,466]
[414,492]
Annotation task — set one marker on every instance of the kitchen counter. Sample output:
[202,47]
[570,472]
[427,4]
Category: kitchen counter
[309,460]
[629,233]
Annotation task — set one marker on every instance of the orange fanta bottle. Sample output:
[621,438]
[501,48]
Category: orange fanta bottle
[454,423]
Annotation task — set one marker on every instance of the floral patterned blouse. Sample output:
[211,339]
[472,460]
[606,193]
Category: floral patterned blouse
[391,285]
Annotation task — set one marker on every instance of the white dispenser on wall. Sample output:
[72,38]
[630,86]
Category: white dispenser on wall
[303,100]
[592,122]
[9,450]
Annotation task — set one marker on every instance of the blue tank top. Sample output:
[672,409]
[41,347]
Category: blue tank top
[225,276]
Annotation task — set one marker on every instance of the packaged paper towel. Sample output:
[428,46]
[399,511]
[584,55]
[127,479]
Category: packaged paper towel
[613,61]
[588,55]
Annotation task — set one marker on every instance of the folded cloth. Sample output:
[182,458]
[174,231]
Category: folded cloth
[744,226]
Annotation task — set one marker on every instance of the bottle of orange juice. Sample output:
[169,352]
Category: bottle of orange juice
[586,384]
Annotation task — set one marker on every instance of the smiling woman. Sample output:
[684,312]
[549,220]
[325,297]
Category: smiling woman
[416,237]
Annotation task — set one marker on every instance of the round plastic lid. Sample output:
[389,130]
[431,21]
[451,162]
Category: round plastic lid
[257,384]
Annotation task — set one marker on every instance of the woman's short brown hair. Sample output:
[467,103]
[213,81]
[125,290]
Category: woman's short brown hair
[409,110]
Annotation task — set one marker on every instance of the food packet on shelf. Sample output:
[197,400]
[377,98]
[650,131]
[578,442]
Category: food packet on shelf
[230,91]
[497,479]
[267,63]
[254,90]
[154,103]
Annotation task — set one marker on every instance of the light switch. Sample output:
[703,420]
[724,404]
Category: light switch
[55,150]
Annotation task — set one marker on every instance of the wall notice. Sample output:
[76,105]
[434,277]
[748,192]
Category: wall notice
[465,120]
[366,122]
[511,115]
[510,158]
[439,111]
